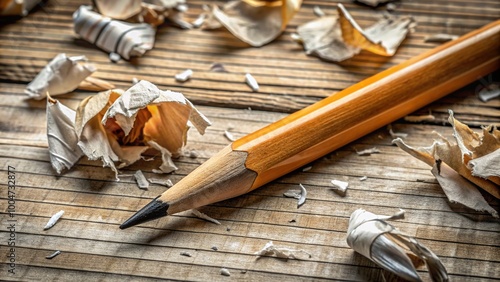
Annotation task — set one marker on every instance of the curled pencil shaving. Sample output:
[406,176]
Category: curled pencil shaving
[338,38]
[53,255]
[61,136]
[201,215]
[300,195]
[61,75]
[229,136]
[281,252]
[118,126]
[53,220]
[113,36]
[369,151]
[17,7]
[256,22]
[474,159]
[371,236]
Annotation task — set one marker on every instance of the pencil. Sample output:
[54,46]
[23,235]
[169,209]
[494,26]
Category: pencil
[319,129]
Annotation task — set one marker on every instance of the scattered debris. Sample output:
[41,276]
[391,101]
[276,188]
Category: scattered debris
[229,136]
[340,186]
[201,215]
[168,183]
[193,154]
[307,168]
[126,39]
[363,178]
[367,152]
[440,38]
[292,221]
[61,75]
[198,22]
[53,220]
[338,38]
[186,254]
[184,76]
[218,67]
[281,252]
[421,118]
[371,236]
[225,272]
[300,195]
[214,248]
[255,22]
[228,229]
[318,12]
[141,180]
[53,255]
[474,157]
[135,80]
[250,80]
[489,92]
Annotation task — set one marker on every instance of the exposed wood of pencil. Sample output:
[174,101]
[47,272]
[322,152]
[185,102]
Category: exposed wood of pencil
[335,121]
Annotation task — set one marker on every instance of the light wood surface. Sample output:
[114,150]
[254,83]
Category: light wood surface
[93,248]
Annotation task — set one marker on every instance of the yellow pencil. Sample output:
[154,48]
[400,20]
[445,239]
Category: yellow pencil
[308,134]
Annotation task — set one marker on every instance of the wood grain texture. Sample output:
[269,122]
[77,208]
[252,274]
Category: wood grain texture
[94,249]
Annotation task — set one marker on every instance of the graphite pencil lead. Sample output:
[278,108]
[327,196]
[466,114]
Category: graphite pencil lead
[155,209]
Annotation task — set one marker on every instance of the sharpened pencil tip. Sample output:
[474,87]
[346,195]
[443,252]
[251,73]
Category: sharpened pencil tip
[155,209]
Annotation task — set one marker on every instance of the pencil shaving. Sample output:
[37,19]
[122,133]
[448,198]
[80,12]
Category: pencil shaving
[282,252]
[473,156]
[303,196]
[141,180]
[420,118]
[440,38]
[168,183]
[489,92]
[229,136]
[225,272]
[368,152]
[186,254]
[184,76]
[201,215]
[61,75]
[53,255]
[363,178]
[256,22]
[95,84]
[252,82]
[126,39]
[318,12]
[338,38]
[53,220]
[61,136]
[218,67]
[383,38]
[371,236]
[340,185]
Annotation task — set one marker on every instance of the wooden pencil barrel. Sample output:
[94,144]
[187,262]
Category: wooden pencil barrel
[364,107]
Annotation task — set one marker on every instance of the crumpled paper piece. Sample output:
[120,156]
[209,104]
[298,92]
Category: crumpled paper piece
[338,37]
[113,36]
[371,236]
[17,7]
[473,159]
[281,252]
[118,126]
[256,22]
[62,75]
[61,136]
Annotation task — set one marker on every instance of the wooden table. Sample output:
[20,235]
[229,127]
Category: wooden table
[93,248]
